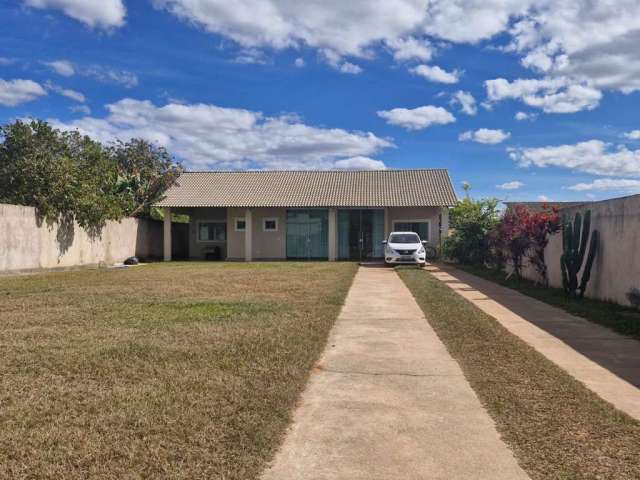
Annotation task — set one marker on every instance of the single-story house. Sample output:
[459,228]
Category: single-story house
[314,215]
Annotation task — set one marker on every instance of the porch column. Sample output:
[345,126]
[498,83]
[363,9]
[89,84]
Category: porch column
[444,224]
[167,234]
[386,223]
[248,235]
[333,234]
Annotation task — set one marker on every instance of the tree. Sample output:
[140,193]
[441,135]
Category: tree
[145,172]
[64,175]
[472,221]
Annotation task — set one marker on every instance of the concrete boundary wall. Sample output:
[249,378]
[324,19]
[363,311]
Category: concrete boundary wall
[27,243]
[617,265]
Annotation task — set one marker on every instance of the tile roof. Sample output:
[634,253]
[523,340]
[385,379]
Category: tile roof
[312,188]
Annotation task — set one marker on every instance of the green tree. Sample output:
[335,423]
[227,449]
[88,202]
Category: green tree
[145,172]
[472,221]
[65,175]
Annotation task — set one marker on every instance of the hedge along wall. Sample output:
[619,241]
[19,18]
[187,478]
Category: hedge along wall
[617,265]
[28,243]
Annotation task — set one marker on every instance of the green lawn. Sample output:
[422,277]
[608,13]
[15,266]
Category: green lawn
[557,428]
[181,370]
[625,320]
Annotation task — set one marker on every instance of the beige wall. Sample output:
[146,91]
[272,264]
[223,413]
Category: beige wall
[197,249]
[417,213]
[617,265]
[27,244]
[273,245]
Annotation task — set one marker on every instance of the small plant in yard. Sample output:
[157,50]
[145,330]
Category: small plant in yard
[633,295]
[575,238]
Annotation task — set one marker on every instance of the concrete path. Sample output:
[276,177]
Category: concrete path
[387,401]
[604,361]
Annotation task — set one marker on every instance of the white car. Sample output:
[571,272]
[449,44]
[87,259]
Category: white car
[404,248]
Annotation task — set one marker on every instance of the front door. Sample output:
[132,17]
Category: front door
[360,234]
[307,234]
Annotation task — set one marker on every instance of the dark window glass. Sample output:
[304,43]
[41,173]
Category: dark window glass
[404,238]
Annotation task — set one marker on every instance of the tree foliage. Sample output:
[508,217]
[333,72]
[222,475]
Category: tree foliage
[70,177]
[472,222]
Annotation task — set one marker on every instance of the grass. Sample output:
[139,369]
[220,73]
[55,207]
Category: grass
[624,320]
[181,370]
[557,428]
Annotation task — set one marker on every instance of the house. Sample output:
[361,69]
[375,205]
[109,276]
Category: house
[311,215]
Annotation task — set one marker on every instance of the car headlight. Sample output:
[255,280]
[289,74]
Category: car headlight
[421,250]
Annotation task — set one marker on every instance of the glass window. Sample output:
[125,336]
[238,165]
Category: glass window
[241,225]
[404,238]
[270,224]
[421,228]
[212,231]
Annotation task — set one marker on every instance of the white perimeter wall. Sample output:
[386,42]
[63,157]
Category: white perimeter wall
[617,265]
[26,243]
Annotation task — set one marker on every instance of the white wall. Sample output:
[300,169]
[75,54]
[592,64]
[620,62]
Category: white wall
[26,243]
[617,265]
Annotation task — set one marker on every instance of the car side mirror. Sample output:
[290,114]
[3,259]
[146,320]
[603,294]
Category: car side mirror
[424,242]
[384,242]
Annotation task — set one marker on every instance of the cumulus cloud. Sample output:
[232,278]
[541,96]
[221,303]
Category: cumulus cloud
[436,74]
[337,62]
[359,163]
[61,67]
[251,56]
[417,118]
[484,135]
[299,62]
[632,135]
[520,116]
[208,136]
[593,156]
[100,14]
[15,92]
[466,102]
[510,185]
[552,95]
[607,184]
[66,92]
[405,49]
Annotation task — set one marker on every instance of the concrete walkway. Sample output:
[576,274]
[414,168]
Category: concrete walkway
[387,401]
[604,361]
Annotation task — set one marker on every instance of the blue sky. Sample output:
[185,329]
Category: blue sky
[526,99]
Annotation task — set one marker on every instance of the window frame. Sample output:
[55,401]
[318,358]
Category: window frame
[420,220]
[214,221]
[269,219]
[235,224]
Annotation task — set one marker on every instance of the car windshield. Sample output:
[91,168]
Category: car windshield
[404,238]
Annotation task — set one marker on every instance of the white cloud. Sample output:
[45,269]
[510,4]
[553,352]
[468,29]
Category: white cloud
[436,74]
[66,92]
[336,61]
[510,185]
[100,13]
[251,56]
[208,136]
[544,198]
[84,109]
[484,135]
[607,184]
[466,101]
[7,61]
[61,67]
[520,116]
[348,67]
[405,49]
[111,75]
[359,163]
[552,95]
[299,62]
[417,118]
[632,135]
[593,156]
[15,92]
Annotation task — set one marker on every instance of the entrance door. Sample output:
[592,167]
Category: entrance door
[360,234]
[307,234]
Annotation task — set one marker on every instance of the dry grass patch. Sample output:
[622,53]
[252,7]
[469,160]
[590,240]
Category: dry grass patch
[182,370]
[557,428]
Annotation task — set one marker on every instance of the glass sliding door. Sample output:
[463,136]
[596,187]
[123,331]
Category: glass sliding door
[360,234]
[307,234]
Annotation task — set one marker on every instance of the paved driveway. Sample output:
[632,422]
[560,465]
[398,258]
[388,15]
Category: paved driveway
[387,401]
